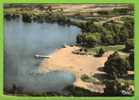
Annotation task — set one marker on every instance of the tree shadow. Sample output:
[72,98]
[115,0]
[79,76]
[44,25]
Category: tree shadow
[101,69]
[101,76]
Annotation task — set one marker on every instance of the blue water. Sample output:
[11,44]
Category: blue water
[22,41]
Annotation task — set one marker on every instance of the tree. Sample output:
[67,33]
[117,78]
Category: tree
[128,25]
[123,37]
[92,39]
[26,18]
[117,88]
[108,39]
[100,52]
[80,39]
[89,39]
[116,65]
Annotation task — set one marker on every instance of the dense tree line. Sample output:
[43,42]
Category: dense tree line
[110,33]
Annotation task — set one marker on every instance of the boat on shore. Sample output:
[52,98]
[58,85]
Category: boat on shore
[41,56]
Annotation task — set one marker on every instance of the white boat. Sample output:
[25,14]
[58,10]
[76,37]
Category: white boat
[41,56]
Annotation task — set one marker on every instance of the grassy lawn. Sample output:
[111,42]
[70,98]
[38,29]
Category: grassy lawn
[106,48]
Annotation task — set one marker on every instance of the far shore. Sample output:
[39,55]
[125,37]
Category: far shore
[64,59]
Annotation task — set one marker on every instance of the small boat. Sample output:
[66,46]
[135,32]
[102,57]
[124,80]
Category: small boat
[41,56]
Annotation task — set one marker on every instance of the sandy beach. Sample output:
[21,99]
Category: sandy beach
[64,59]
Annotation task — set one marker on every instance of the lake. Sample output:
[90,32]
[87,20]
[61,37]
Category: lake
[24,40]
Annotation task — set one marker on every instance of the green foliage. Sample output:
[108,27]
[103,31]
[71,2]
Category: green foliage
[103,12]
[128,26]
[111,32]
[129,44]
[116,65]
[131,60]
[93,50]
[108,39]
[84,77]
[100,52]
[123,37]
[91,79]
[26,18]
[120,11]
[89,39]
[118,33]
[90,26]
[117,88]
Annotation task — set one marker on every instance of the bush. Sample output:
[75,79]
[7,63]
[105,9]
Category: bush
[116,65]
[85,77]
[100,52]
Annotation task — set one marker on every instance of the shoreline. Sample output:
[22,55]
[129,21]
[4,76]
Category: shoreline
[64,59]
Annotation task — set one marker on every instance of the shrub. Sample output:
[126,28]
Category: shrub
[116,65]
[100,52]
[85,77]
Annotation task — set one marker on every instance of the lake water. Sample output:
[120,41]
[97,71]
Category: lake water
[21,42]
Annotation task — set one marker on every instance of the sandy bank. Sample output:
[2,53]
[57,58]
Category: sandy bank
[64,59]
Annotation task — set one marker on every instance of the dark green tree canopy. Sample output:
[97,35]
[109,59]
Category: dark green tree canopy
[116,65]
